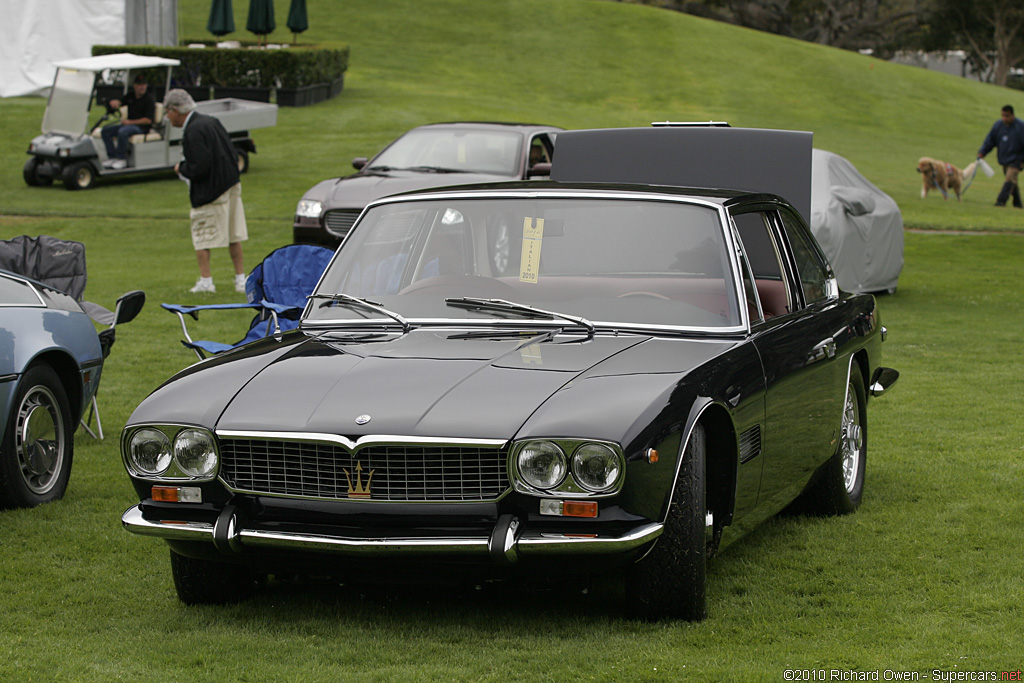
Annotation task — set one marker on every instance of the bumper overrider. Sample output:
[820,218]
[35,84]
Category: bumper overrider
[506,542]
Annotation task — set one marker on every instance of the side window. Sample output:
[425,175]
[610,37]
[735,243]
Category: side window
[540,153]
[762,255]
[811,269]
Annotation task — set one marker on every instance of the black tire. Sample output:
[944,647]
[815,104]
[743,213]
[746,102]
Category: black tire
[243,160]
[78,176]
[670,581]
[31,174]
[205,582]
[38,445]
[839,485]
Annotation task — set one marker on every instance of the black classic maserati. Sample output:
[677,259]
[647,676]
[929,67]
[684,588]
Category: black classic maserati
[626,382]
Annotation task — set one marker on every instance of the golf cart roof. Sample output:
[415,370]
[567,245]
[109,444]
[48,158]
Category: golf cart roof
[121,60]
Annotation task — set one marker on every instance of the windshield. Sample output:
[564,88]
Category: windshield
[623,262]
[442,150]
[68,108]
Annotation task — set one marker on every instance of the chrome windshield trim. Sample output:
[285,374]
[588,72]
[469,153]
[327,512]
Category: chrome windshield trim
[553,192]
[361,442]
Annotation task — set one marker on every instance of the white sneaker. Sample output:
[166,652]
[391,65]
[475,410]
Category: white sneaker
[109,163]
[118,164]
[240,283]
[201,286]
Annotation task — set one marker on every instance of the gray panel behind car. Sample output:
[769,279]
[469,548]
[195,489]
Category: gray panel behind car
[751,159]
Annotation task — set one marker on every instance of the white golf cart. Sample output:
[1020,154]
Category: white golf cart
[70,151]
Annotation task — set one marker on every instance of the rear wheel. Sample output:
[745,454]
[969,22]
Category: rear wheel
[670,581]
[204,582]
[78,176]
[243,160]
[840,484]
[35,463]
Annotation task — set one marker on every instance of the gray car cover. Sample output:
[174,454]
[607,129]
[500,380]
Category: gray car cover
[858,226]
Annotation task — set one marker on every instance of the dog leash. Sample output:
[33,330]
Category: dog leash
[945,195]
[971,179]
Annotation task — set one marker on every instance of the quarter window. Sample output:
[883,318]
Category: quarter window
[811,269]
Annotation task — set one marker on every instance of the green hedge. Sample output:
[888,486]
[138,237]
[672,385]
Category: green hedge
[292,67]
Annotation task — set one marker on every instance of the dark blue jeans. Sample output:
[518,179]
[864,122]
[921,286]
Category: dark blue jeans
[121,133]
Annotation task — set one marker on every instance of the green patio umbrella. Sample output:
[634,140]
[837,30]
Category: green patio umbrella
[261,18]
[222,18]
[297,19]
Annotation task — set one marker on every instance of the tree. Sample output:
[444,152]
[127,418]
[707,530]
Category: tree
[990,31]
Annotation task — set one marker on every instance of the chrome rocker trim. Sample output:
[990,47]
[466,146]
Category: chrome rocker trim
[505,543]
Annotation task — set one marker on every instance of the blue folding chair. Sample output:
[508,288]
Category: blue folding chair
[277,289]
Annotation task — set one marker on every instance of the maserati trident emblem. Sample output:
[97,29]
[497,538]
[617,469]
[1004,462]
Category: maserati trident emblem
[359,490]
[363,419]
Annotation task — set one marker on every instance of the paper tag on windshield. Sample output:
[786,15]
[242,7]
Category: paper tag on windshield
[533,233]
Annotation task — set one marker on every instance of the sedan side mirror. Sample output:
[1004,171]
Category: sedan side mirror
[359,162]
[540,170]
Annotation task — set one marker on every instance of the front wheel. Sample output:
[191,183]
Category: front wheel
[78,176]
[670,581]
[35,463]
[204,582]
[30,173]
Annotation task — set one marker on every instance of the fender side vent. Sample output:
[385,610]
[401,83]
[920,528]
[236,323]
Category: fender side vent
[750,444]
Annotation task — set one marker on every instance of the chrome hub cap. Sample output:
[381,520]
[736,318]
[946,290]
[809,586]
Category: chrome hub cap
[40,440]
[851,442]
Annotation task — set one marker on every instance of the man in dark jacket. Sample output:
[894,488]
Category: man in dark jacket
[141,111]
[1007,136]
[210,166]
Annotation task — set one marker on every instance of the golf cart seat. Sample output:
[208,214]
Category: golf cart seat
[60,264]
[155,130]
[276,289]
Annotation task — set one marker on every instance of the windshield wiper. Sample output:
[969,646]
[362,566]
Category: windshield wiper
[501,305]
[432,169]
[365,304]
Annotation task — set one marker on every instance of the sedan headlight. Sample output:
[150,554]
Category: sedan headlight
[195,452]
[309,208]
[543,467]
[541,464]
[170,452]
[596,467]
[149,450]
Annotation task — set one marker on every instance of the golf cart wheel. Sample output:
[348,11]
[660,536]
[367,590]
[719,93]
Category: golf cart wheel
[78,176]
[243,160]
[31,174]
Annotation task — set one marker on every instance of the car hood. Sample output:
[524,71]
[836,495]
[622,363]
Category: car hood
[431,383]
[356,191]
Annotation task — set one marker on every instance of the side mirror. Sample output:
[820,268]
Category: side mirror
[540,170]
[359,163]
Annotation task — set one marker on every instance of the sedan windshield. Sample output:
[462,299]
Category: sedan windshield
[451,150]
[608,262]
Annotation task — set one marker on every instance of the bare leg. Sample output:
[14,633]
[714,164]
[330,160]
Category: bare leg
[235,250]
[203,257]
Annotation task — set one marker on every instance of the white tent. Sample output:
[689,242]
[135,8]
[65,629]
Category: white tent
[858,226]
[36,33]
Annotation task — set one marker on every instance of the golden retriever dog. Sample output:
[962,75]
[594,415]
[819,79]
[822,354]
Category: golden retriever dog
[943,176]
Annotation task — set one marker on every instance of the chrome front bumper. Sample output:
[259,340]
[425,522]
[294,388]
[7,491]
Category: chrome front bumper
[505,544]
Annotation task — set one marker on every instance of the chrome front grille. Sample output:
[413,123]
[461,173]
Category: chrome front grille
[404,472]
[339,221]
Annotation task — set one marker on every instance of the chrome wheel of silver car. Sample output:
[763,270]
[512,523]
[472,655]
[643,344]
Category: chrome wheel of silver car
[38,445]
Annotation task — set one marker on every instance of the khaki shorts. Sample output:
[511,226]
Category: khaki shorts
[221,222]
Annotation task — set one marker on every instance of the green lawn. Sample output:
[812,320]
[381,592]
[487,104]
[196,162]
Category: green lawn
[923,577]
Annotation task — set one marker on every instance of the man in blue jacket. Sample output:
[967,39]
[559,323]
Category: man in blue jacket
[1007,136]
[210,165]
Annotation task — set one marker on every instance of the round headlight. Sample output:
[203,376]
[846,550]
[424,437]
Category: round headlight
[595,467]
[195,452]
[150,451]
[541,464]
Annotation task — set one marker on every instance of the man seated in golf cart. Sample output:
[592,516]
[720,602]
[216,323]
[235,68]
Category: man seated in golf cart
[139,116]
